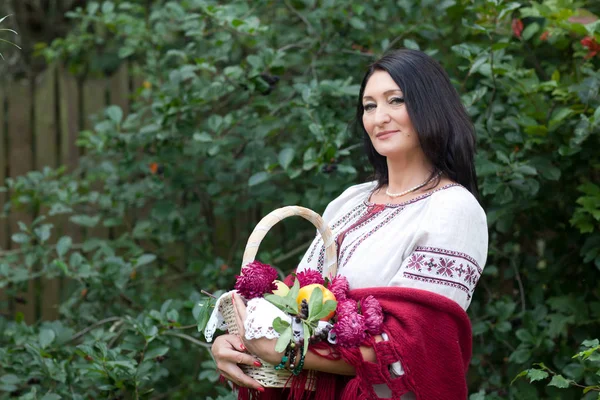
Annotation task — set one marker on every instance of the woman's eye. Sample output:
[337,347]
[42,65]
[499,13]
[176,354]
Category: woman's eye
[369,107]
[397,100]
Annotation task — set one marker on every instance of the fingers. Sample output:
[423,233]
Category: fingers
[227,351]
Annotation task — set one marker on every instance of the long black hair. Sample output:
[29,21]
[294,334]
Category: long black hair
[445,131]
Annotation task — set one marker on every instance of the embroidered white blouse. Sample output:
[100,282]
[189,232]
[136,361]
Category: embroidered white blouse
[437,241]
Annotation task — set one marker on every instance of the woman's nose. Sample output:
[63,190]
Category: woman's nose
[382,116]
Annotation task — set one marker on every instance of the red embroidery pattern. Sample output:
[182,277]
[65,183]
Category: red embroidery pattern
[439,281]
[354,245]
[443,267]
[450,253]
[344,220]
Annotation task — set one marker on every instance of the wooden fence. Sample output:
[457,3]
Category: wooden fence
[40,119]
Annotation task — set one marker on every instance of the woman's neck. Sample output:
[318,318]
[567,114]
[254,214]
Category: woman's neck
[407,172]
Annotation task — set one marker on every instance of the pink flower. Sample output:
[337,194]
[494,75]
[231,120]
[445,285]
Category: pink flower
[350,330]
[517,27]
[339,287]
[256,280]
[309,277]
[346,307]
[371,310]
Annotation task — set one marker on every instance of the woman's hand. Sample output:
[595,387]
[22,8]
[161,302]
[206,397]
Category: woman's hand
[263,348]
[229,351]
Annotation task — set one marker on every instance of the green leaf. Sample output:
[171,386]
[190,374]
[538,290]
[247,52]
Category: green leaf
[294,290]
[574,371]
[156,352]
[108,7]
[202,137]
[520,356]
[284,339]
[530,30]
[285,157]
[85,220]
[559,381]
[115,114]
[43,232]
[328,307]
[283,303]
[280,325]
[46,337]
[20,238]
[62,266]
[202,312]
[411,44]
[51,396]
[358,23]
[307,334]
[145,259]
[526,169]
[10,379]
[258,178]
[63,245]
[536,375]
[315,303]
[524,336]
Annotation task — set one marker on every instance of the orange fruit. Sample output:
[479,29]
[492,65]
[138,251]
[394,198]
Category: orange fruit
[306,291]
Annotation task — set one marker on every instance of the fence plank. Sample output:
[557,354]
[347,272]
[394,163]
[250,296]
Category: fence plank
[46,145]
[119,88]
[3,163]
[69,118]
[20,159]
[45,121]
[69,113]
[94,102]
[4,305]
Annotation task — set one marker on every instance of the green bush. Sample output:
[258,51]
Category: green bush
[245,108]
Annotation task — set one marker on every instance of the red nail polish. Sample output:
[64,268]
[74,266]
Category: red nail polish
[261,389]
[257,363]
[242,346]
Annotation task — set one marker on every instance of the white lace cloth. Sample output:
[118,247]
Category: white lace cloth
[258,323]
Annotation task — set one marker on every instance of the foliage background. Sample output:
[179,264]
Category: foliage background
[245,107]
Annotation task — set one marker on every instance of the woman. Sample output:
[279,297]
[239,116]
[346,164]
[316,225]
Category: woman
[416,237]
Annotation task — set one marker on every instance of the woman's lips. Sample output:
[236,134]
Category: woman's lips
[385,134]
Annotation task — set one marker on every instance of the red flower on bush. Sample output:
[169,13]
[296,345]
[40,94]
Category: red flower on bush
[591,44]
[308,277]
[517,27]
[545,35]
[256,280]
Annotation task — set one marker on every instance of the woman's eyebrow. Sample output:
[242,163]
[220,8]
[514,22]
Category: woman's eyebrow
[384,93]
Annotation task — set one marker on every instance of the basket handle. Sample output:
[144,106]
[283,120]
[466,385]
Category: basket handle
[265,224]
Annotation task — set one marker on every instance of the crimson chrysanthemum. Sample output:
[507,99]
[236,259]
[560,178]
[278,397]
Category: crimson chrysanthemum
[371,310]
[350,330]
[256,280]
[346,307]
[339,287]
[309,277]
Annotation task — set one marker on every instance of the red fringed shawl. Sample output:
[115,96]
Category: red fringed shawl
[429,334]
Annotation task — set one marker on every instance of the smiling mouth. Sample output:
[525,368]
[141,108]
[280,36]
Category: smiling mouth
[385,134]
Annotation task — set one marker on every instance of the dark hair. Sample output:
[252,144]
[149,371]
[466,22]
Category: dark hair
[445,131]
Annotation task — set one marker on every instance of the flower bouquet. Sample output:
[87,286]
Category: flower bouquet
[309,310]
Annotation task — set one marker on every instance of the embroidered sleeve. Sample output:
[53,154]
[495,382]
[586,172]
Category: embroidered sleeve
[450,250]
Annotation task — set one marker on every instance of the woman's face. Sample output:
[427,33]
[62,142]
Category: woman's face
[385,117]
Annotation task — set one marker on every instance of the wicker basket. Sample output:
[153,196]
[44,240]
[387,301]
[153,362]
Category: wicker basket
[267,375]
